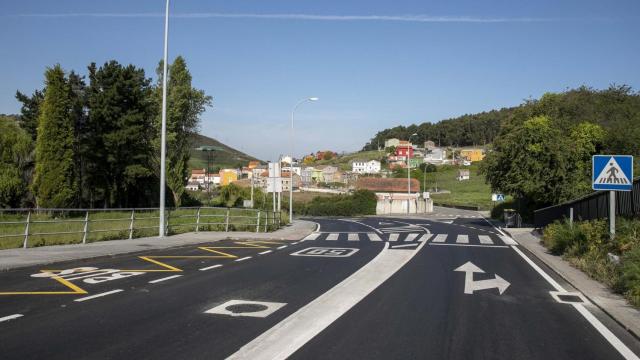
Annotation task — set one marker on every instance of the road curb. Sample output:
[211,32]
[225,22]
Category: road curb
[590,293]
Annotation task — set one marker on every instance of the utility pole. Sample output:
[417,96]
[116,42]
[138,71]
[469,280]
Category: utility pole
[163,135]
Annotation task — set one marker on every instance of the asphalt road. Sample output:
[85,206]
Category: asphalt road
[366,288]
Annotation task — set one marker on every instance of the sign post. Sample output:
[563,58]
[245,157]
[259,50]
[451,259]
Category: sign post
[612,173]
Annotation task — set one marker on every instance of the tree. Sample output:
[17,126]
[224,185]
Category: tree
[55,183]
[29,111]
[16,157]
[185,104]
[120,123]
[328,155]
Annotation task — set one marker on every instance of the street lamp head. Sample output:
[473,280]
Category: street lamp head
[314,99]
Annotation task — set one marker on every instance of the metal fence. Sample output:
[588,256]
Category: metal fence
[39,227]
[593,206]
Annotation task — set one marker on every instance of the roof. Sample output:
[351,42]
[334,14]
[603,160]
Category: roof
[197,171]
[387,185]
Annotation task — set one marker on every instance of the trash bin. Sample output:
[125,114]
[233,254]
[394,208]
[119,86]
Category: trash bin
[512,218]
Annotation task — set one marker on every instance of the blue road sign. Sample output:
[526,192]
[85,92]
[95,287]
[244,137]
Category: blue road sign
[612,172]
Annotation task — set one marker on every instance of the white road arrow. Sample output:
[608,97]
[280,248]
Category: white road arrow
[470,286]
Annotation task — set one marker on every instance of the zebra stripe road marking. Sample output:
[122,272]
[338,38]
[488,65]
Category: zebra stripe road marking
[508,240]
[333,236]
[485,239]
[425,237]
[462,239]
[411,237]
[374,237]
[394,237]
[440,238]
[311,236]
[353,237]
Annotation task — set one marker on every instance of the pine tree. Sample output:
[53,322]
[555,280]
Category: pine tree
[55,183]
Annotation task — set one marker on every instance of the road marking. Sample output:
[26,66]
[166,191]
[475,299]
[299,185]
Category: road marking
[374,237]
[508,240]
[10,317]
[289,335]
[242,259]
[325,252]
[394,237]
[353,237]
[404,245]
[462,239]
[440,238]
[425,237]
[606,333]
[333,236]
[164,279]
[212,267]
[363,224]
[470,285]
[265,252]
[485,239]
[98,295]
[311,236]
[471,245]
[265,308]
[411,237]
[281,247]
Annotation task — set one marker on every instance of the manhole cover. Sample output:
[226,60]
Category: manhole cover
[570,298]
[246,308]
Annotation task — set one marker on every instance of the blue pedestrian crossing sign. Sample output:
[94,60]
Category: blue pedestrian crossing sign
[612,172]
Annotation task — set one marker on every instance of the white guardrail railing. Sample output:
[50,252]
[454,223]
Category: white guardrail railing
[39,227]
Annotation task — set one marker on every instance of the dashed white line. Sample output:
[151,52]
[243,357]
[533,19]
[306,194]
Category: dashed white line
[164,279]
[98,295]
[242,259]
[210,267]
[10,317]
[282,247]
[404,245]
[265,252]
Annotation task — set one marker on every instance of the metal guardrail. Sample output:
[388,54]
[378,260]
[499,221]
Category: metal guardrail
[37,227]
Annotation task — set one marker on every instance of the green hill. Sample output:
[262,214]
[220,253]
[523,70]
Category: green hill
[227,157]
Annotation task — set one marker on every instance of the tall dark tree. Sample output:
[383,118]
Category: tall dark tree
[30,110]
[55,182]
[120,124]
[185,104]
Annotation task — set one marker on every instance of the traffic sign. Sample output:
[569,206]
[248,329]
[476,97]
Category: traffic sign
[612,172]
[497,197]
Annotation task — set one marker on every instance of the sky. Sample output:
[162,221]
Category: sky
[373,64]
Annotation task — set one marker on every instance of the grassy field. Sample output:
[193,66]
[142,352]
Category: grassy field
[472,192]
[68,227]
[227,157]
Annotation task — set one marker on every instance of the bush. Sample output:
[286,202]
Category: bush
[630,275]
[361,202]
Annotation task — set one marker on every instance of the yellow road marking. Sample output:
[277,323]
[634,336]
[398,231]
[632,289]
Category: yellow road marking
[153,259]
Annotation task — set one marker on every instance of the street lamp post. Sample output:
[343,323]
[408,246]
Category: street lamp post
[291,163]
[163,137]
[409,173]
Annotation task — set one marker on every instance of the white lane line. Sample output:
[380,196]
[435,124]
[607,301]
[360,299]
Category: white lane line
[164,279]
[440,238]
[242,259]
[485,239]
[10,317]
[411,237]
[603,330]
[471,245]
[289,335]
[265,252]
[462,239]
[98,295]
[374,237]
[363,224]
[282,247]
[508,240]
[394,237]
[353,237]
[210,267]
[425,237]
[333,236]
[311,236]
[404,245]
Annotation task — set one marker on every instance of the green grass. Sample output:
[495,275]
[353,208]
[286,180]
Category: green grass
[114,225]
[227,157]
[472,192]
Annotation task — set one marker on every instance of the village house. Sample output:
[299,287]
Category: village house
[193,186]
[436,156]
[306,175]
[391,142]
[286,181]
[472,154]
[366,167]
[404,150]
[227,176]
[393,197]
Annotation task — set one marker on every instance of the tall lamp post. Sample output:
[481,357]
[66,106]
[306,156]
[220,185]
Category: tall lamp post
[291,163]
[163,136]
[409,147]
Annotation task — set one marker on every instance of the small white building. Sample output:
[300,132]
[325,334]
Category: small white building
[366,167]
[391,142]
[463,175]
[436,156]
[193,186]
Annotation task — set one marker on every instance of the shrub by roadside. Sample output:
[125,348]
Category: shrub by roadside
[361,202]
[586,245]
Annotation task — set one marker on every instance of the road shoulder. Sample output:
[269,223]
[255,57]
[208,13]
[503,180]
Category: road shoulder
[20,258]
[612,304]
